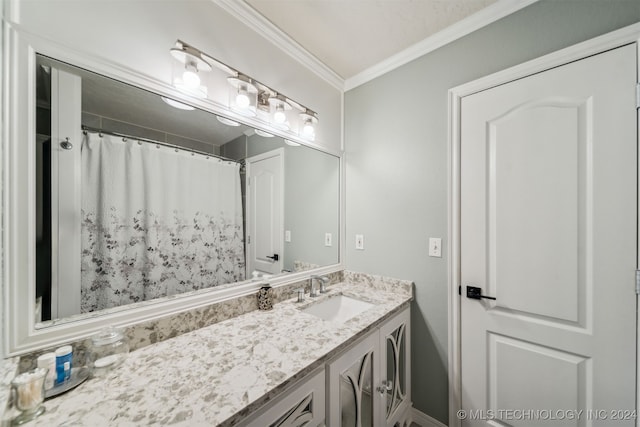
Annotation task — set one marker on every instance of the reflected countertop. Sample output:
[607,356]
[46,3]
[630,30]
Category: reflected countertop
[219,374]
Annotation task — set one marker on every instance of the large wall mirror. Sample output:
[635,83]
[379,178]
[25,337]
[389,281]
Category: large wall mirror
[139,204]
[158,198]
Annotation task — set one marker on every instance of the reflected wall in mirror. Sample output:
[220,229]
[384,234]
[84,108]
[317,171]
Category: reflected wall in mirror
[144,200]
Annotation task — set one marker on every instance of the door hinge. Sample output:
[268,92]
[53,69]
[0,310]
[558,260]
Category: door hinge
[638,282]
[248,240]
[637,95]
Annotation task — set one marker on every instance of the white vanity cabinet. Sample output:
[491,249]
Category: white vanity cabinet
[303,405]
[369,383]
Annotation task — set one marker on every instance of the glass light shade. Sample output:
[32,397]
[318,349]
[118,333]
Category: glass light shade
[280,105]
[186,71]
[308,129]
[243,95]
[242,99]
[279,116]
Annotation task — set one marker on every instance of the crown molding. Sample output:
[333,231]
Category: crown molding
[248,15]
[480,19]
[245,13]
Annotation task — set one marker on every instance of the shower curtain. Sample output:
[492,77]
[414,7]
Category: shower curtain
[156,222]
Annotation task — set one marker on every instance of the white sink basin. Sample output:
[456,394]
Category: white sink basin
[337,309]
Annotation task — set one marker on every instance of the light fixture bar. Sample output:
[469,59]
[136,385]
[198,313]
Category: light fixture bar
[183,49]
[184,53]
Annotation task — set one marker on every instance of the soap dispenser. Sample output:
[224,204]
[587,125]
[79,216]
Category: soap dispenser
[265,297]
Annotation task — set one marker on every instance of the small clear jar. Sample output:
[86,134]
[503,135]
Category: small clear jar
[109,348]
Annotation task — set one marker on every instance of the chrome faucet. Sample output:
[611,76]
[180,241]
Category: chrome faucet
[315,292]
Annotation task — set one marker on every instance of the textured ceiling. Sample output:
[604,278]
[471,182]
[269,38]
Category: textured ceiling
[350,36]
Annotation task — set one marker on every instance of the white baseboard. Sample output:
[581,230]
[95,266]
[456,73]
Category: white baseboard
[424,420]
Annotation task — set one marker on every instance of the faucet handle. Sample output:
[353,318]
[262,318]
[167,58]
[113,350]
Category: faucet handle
[323,284]
[313,292]
[301,295]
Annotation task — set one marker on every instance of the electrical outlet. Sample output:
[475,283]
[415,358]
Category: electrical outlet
[327,239]
[287,236]
[360,242]
[435,247]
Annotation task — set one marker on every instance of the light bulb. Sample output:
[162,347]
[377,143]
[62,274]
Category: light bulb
[279,116]
[242,98]
[190,77]
[308,129]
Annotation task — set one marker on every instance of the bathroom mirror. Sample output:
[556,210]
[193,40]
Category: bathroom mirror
[140,198]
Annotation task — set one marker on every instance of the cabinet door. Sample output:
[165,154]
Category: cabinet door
[304,405]
[353,402]
[395,359]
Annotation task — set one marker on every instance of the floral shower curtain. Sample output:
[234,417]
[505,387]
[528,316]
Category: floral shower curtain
[156,222]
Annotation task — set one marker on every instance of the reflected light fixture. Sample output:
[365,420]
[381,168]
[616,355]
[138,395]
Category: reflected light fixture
[194,61]
[227,122]
[263,133]
[291,143]
[176,104]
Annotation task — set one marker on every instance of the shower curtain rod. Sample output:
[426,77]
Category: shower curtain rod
[164,144]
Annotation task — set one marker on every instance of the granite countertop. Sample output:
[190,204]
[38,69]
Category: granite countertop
[8,369]
[219,374]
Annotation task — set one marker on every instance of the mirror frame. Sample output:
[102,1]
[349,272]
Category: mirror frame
[18,198]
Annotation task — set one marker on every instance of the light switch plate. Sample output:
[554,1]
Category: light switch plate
[327,239]
[360,242]
[435,247]
[287,236]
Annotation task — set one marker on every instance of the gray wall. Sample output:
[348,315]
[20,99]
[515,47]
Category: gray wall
[396,161]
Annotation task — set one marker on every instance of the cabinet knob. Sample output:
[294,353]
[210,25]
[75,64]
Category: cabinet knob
[385,386]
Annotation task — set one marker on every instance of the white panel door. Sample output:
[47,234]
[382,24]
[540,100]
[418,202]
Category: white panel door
[264,212]
[548,228]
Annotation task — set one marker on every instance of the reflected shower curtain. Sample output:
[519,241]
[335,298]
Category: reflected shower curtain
[156,222]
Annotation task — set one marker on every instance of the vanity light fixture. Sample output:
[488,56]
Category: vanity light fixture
[309,119]
[194,61]
[247,97]
[263,133]
[244,96]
